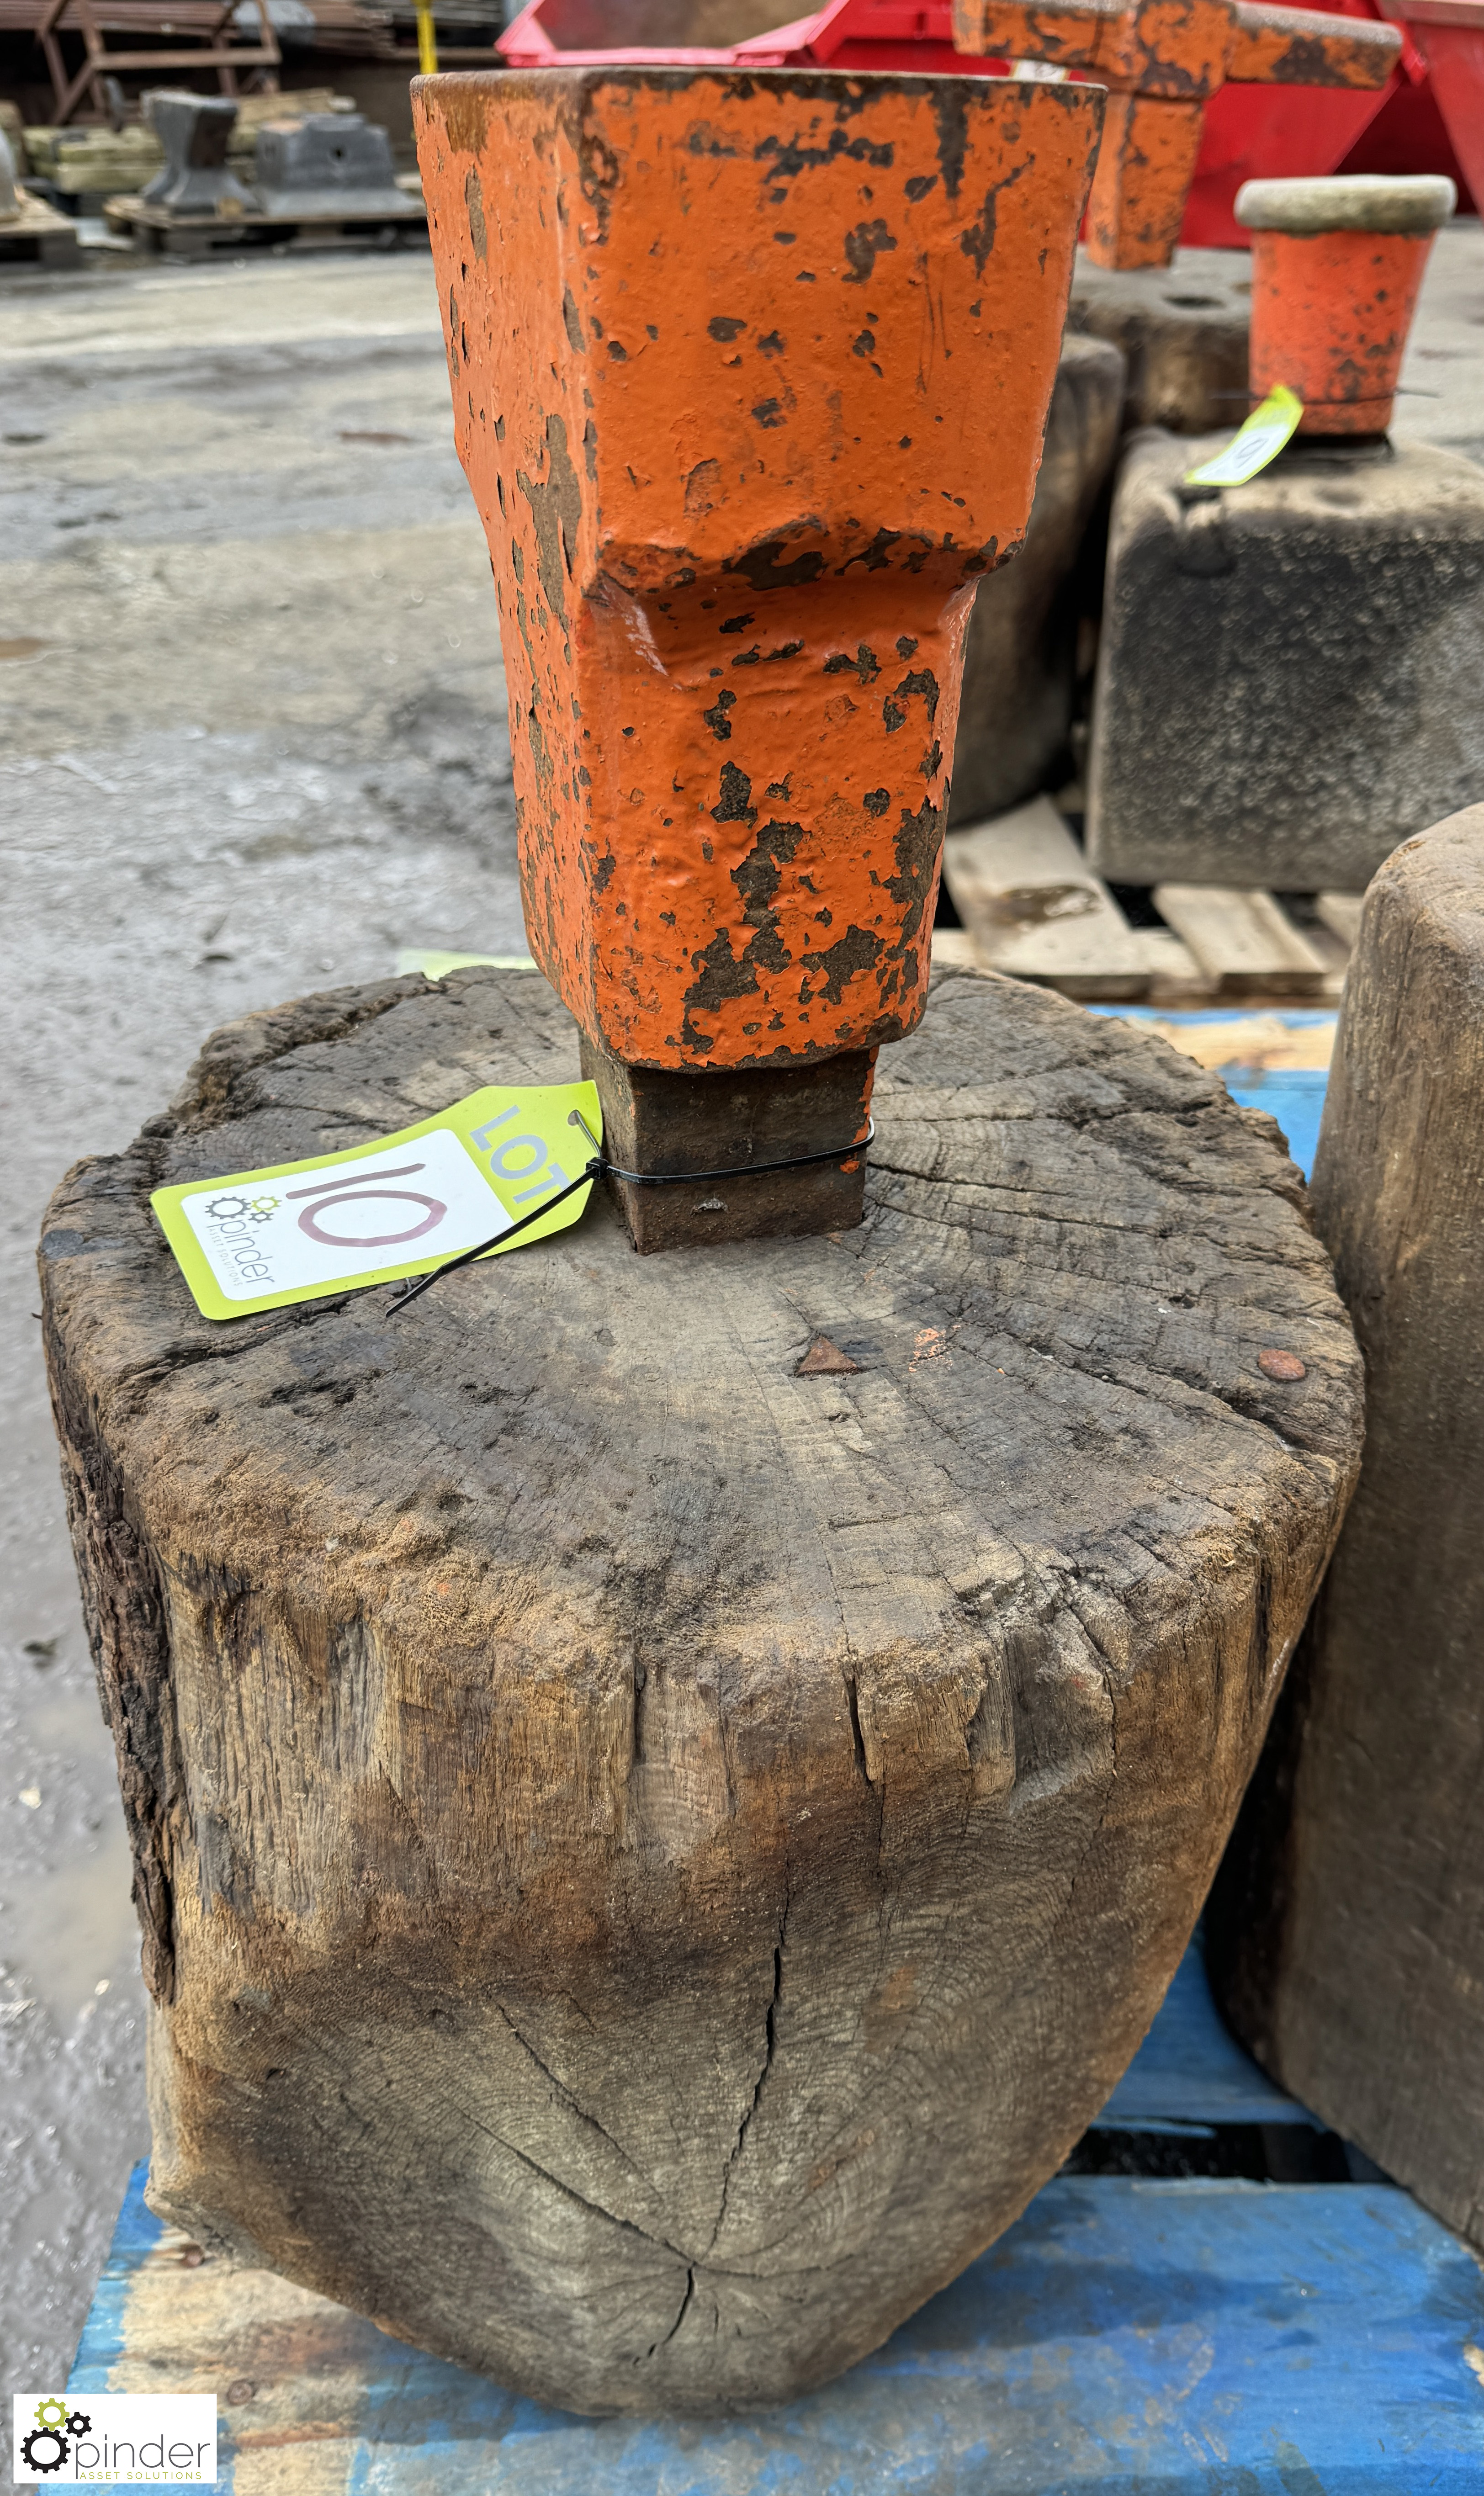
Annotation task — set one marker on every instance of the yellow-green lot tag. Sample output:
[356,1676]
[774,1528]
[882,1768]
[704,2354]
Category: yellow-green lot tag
[266,1238]
[1261,438]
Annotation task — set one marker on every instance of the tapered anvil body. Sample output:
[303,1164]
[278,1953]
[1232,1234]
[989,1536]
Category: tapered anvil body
[750,375]
[1164,60]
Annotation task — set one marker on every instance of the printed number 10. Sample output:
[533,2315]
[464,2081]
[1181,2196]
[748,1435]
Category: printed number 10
[550,1176]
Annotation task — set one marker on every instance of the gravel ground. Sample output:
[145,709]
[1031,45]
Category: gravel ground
[252,743]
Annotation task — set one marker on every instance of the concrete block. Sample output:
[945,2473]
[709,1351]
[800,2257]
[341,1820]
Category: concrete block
[1183,331]
[1341,912]
[1291,674]
[1020,661]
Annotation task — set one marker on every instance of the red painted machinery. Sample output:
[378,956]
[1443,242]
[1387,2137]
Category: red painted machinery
[1250,131]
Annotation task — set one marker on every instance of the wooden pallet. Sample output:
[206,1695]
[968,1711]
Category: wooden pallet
[39,234]
[1129,2333]
[159,230]
[1031,906]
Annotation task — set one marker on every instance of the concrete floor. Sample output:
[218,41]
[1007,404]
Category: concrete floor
[253,743]
[259,748]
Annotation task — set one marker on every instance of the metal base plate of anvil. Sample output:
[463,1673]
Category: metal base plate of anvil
[749,379]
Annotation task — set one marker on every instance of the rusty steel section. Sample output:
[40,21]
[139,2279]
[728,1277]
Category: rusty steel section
[1150,145]
[1175,49]
[1331,317]
[1164,60]
[1083,35]
[750,374]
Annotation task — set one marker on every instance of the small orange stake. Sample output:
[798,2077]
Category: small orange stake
[1150,145]
[1164,59]
[750,376]
[1336,266]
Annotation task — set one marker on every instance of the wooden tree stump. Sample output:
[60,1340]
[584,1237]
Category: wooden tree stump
[666,1791]
[1351,1911]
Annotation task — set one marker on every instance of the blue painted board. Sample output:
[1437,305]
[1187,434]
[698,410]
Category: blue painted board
[1292,1095]
[1141,2338]
[137,2232]
[1191,2073]
[1136,2338]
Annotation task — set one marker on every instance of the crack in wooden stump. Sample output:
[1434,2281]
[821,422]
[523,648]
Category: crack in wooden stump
[770,2046]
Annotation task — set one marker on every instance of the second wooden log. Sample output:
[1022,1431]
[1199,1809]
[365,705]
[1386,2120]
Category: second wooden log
[1348,1923]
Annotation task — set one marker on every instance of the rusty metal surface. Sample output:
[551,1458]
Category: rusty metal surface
[732,1120]
[1148,151]
[750,374]
[1275,47]
[1331,317]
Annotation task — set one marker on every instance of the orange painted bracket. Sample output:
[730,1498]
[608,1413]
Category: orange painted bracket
[1274,46]
[1084,35]
[750,375]
[1164,60]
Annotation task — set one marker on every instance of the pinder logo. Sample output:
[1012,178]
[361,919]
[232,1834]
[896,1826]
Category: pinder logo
[242,1208]
[121,2439]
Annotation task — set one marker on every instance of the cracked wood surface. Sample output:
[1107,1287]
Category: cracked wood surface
[649,1858]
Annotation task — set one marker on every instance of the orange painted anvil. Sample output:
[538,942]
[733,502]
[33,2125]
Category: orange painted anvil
[1162,61]
[750,376]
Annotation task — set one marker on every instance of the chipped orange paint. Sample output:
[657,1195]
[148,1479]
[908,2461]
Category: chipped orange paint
[1164,59]
[1150,145]
[750,376]
[1071,34]
[1331,314]
[1274,46]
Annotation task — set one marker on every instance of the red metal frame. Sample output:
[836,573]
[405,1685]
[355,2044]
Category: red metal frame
[1249,130]
[1407,128]
[845,35]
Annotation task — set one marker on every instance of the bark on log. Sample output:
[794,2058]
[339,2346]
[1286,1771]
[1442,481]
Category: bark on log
[1350,1910]
[666,1791]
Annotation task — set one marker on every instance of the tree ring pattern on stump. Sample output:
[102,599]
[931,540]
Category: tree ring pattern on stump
[651,1849]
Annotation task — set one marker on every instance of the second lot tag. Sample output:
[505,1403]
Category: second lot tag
[266,1238]
[1259,441]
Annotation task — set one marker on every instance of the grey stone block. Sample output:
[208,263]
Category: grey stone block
[1291,674]
[325,164]
[1019,664]
[1183,331]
